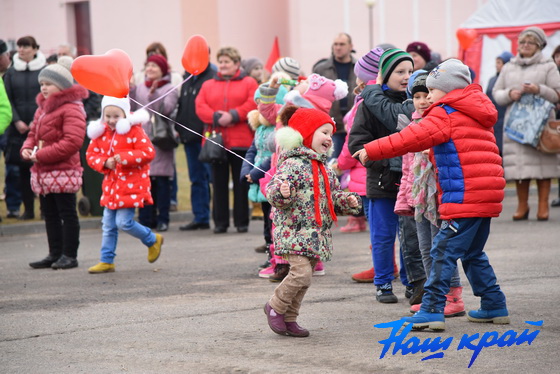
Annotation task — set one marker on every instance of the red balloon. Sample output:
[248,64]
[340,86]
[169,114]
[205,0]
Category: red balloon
[108,74]
[195,56]
[466,37]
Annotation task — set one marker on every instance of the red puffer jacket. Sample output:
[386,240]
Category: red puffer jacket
[458,128]
[235,96]
[58,130]
[128,185]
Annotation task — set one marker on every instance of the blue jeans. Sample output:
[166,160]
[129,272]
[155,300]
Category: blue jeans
[12,188]
[410,251]
[426,234]
[464,239]
[383,225]
[121,219]
[199,174]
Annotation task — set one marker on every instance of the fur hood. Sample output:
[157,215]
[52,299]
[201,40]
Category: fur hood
[76,93]
[36,64]
[96,128]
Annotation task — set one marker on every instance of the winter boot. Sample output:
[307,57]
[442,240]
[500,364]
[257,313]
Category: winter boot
[353,225]
[365,276]
[280,272]
[522,188]
[385,294]
[454,306]
[423,320]
[543,189]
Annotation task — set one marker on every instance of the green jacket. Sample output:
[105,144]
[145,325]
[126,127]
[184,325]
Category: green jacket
[5,109]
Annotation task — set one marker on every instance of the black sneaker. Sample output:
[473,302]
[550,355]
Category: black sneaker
[65,262]
[194,226]
[408,291]
[417,292]
[44,263]
[385,294]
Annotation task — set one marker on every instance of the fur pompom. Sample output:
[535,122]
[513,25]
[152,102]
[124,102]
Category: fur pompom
[95,129]
[288,138]
[253,119]
[140,116]
[341,90]
[123,126]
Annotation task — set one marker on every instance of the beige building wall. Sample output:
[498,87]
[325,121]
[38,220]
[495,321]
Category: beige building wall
[305,28]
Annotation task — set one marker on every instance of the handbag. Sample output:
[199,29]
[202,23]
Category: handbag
[527,118]
[56,181]
[212,151]
[549,141]
[163,133]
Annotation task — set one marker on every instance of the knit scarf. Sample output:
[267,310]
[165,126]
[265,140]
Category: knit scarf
[161,82]
[319,167]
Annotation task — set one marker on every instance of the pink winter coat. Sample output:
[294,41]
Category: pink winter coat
[358,173]
[58,130]
[128,185]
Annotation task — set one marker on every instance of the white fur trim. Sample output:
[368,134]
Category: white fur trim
[288,138]
[341,90]
[294,97]
[95,129]
[140,116]
[123,126]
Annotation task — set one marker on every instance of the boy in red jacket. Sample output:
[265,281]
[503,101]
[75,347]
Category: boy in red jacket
[458,128]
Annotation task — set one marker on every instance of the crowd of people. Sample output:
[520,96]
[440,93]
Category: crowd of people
[402,142]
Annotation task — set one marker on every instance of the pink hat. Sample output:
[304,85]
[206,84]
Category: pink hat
[367,67]
[322,92]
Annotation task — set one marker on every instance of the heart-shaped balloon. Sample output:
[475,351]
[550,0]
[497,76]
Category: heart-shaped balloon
[195,56]
[466,37]
[107,74]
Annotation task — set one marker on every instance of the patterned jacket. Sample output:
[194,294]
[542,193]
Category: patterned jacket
[297,231]
[458,128]
[128,185]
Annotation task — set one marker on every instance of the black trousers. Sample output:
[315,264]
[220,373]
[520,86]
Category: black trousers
[220,196]
[62,223]
[266,208]
[27,195]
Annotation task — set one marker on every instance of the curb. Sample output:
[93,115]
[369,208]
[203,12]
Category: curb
[86,223]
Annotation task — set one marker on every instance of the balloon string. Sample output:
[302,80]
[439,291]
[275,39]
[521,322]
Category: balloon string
[207,139]
[164,95]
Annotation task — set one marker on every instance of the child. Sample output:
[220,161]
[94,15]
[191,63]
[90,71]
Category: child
[305,195]
[121,150]
[53,145]
[458,125]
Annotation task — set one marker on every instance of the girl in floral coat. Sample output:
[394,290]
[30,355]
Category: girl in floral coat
[121,150]
[306,197]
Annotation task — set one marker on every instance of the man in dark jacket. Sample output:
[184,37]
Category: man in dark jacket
[199,172]
[340,65]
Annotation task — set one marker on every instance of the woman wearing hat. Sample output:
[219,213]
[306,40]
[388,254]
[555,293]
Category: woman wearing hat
[530,72]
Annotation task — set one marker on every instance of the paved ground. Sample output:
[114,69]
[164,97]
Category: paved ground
[198,309]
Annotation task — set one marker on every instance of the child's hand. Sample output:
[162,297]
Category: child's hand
[362,156]
[249,179]
[352,201]
[274,83]
[110,163]
[285,189]
[26,154]
[118,158]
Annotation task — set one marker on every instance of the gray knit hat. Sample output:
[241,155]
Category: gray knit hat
[58,74]
[419,84]
[535,32]
[287,65]
[450,75]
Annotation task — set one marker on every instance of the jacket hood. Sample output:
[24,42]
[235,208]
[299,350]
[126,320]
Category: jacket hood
[75,93]
[472,102]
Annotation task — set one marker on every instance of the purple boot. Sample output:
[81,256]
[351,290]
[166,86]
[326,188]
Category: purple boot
[293,329]
[275,320]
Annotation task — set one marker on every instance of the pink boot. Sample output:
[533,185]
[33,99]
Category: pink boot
[454,306]
[354,224]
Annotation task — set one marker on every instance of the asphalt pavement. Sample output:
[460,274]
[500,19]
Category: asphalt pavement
[199,308]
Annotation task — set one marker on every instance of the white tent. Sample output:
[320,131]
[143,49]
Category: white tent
[498,23]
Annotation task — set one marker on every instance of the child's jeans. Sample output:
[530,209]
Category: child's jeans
[383,225]
[122,219]
[464,239]
[426,234]
[289,294]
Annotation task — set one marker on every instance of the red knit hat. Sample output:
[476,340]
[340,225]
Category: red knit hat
[306,121]
[160,61]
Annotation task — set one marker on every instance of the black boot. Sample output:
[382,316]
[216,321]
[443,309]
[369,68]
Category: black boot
[44,263]
[65,262]
[417,292]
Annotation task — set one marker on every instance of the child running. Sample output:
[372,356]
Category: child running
[306,196]
[458,128]
[121,150]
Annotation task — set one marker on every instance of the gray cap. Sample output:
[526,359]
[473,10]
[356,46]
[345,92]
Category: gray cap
[450,75]
[58,74]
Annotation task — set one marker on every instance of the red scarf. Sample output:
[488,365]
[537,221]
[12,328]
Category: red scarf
[160,83]
[318,166]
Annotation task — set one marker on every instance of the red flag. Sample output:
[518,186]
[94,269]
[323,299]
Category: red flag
[274,55]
